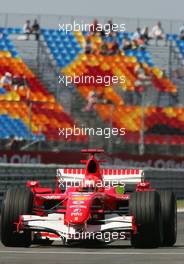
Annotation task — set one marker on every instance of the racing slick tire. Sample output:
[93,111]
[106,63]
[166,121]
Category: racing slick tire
[17,201]
[169,217]
[146,208]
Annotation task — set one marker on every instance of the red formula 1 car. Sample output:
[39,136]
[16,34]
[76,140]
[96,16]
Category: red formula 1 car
[90,204]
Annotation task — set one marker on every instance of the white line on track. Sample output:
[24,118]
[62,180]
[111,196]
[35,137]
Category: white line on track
[180,210]
[91,253]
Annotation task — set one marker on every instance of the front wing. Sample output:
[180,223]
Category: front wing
[54,224]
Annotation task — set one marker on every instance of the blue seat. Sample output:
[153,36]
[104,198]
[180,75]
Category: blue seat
[64,52]
[52,45]
[60,46]
[59,57]
[32,137]
[4,135]
[15,54]
[129,53]
[72,52]
[120,34]
[67,58]
[147,55]
[66,41]
[54,33]
[45,32]
[2,90]
[48,38]
[138,53]
[58,40]
[180,43]
[140,59]
[78,48]
[85,33]
[4,117]
[18,30]
[68,46]
[128,35]
[62,33]
[74,41]
[70,34]
[55,51]
[10,46]
[169,37]
[11,126]
[61,63]
[2,44]
[150,63]
[175,37]
[5,31]
[71,38]
[41,137]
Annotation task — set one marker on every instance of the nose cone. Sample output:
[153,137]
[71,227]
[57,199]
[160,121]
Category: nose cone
[78,210]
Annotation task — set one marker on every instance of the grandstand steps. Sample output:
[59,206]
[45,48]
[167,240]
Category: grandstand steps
[35,56]
[87,120]
[177,57]
[160,55]
[47,70]
[129,97]
[180,90]
[28,50]
[166,57]
[177,60]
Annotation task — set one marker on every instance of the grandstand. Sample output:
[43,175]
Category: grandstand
[30,113]
[153,116]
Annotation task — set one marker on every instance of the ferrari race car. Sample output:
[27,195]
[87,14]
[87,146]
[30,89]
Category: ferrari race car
[90,203]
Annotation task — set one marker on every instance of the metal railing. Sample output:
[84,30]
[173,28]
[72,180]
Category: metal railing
[52,21]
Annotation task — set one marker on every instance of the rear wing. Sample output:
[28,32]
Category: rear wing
[126,176]
[112,176]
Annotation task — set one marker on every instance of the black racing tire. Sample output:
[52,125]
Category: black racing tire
[169,217]
[146,208]
[17,201]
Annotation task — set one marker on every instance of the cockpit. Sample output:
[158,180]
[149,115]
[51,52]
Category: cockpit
[92,167]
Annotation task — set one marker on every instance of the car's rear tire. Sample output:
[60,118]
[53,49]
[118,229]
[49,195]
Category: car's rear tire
[146,208]
[169,217]
[17,201]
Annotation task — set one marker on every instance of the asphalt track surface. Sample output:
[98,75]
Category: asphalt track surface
[115,253]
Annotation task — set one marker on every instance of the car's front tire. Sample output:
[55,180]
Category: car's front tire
[17,201]
[169,217]
[146,208]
